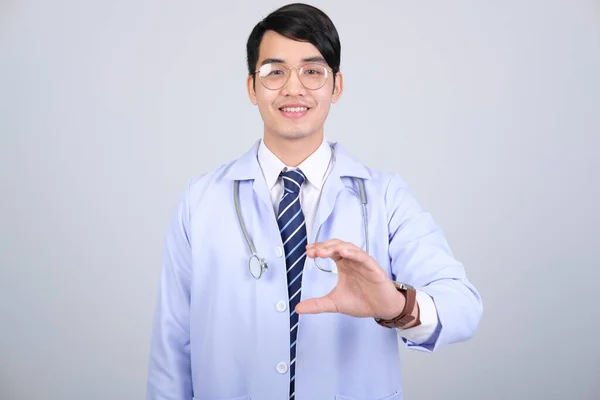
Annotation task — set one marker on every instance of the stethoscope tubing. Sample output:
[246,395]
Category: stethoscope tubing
[258,265]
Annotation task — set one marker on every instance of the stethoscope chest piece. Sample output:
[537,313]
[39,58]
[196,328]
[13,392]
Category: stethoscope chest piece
[257,266]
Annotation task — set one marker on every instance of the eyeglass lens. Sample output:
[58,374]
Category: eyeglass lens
[275,76]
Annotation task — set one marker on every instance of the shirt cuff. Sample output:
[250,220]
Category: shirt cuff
[429,321]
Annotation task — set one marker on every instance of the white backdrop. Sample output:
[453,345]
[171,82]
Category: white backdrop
[489,110]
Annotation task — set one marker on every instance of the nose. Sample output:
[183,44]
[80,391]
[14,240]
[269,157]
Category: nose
[293,87]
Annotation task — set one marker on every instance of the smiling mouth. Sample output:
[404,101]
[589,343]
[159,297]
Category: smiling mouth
[294,109]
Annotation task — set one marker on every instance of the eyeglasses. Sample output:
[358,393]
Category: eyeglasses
[312,76]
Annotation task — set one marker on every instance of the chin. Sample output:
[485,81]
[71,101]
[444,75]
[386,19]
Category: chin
[294,133]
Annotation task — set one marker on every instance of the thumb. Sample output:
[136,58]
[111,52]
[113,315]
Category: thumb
[317,305]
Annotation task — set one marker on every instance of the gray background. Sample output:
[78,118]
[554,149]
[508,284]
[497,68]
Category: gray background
[489,110]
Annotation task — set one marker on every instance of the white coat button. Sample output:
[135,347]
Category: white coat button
[282,368]
[279,252]
[281,306]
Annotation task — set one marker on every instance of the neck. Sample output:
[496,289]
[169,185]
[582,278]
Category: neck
[293,151]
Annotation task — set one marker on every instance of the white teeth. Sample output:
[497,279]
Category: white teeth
[294,109]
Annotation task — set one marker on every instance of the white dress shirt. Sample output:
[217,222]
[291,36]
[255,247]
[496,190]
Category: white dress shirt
[316,168]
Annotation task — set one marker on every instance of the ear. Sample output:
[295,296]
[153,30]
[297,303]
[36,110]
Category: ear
[251,91]
[338,88]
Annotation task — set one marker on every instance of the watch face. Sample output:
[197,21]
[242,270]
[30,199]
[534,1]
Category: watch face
[403,286]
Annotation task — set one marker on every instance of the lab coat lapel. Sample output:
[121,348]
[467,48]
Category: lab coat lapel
[262,191]
[343,166]
[247,168]
[331,189]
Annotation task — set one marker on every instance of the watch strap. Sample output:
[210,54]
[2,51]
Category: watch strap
[405,317]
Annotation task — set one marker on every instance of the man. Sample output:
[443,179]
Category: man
[228,326]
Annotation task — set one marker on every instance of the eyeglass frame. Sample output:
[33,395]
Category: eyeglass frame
[289,69]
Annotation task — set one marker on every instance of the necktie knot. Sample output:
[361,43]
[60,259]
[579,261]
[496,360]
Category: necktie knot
[293,180]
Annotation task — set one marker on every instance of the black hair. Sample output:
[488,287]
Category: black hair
[301,22]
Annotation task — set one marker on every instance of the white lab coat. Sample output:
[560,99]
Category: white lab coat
[220,334]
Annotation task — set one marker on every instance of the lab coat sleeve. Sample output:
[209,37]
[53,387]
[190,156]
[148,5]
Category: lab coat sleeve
[429,321]
[420,256]
[169,374]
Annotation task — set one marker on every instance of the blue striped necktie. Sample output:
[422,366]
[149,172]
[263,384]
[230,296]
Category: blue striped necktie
[292,228]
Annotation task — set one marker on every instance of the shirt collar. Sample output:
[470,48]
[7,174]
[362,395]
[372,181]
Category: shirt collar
[247,167]
[314,166]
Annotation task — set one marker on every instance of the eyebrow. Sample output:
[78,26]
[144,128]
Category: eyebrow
[271,61]
[315,59]
[304,60]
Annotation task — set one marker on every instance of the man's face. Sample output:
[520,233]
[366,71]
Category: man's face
[283,110]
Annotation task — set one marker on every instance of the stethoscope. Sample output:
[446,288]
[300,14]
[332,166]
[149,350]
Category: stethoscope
[258,265]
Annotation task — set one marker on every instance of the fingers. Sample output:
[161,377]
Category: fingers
[325,249]
[316,306]
[323,246]
[327,243]
[336,250]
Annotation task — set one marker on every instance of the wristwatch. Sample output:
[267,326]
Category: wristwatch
[405,317]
